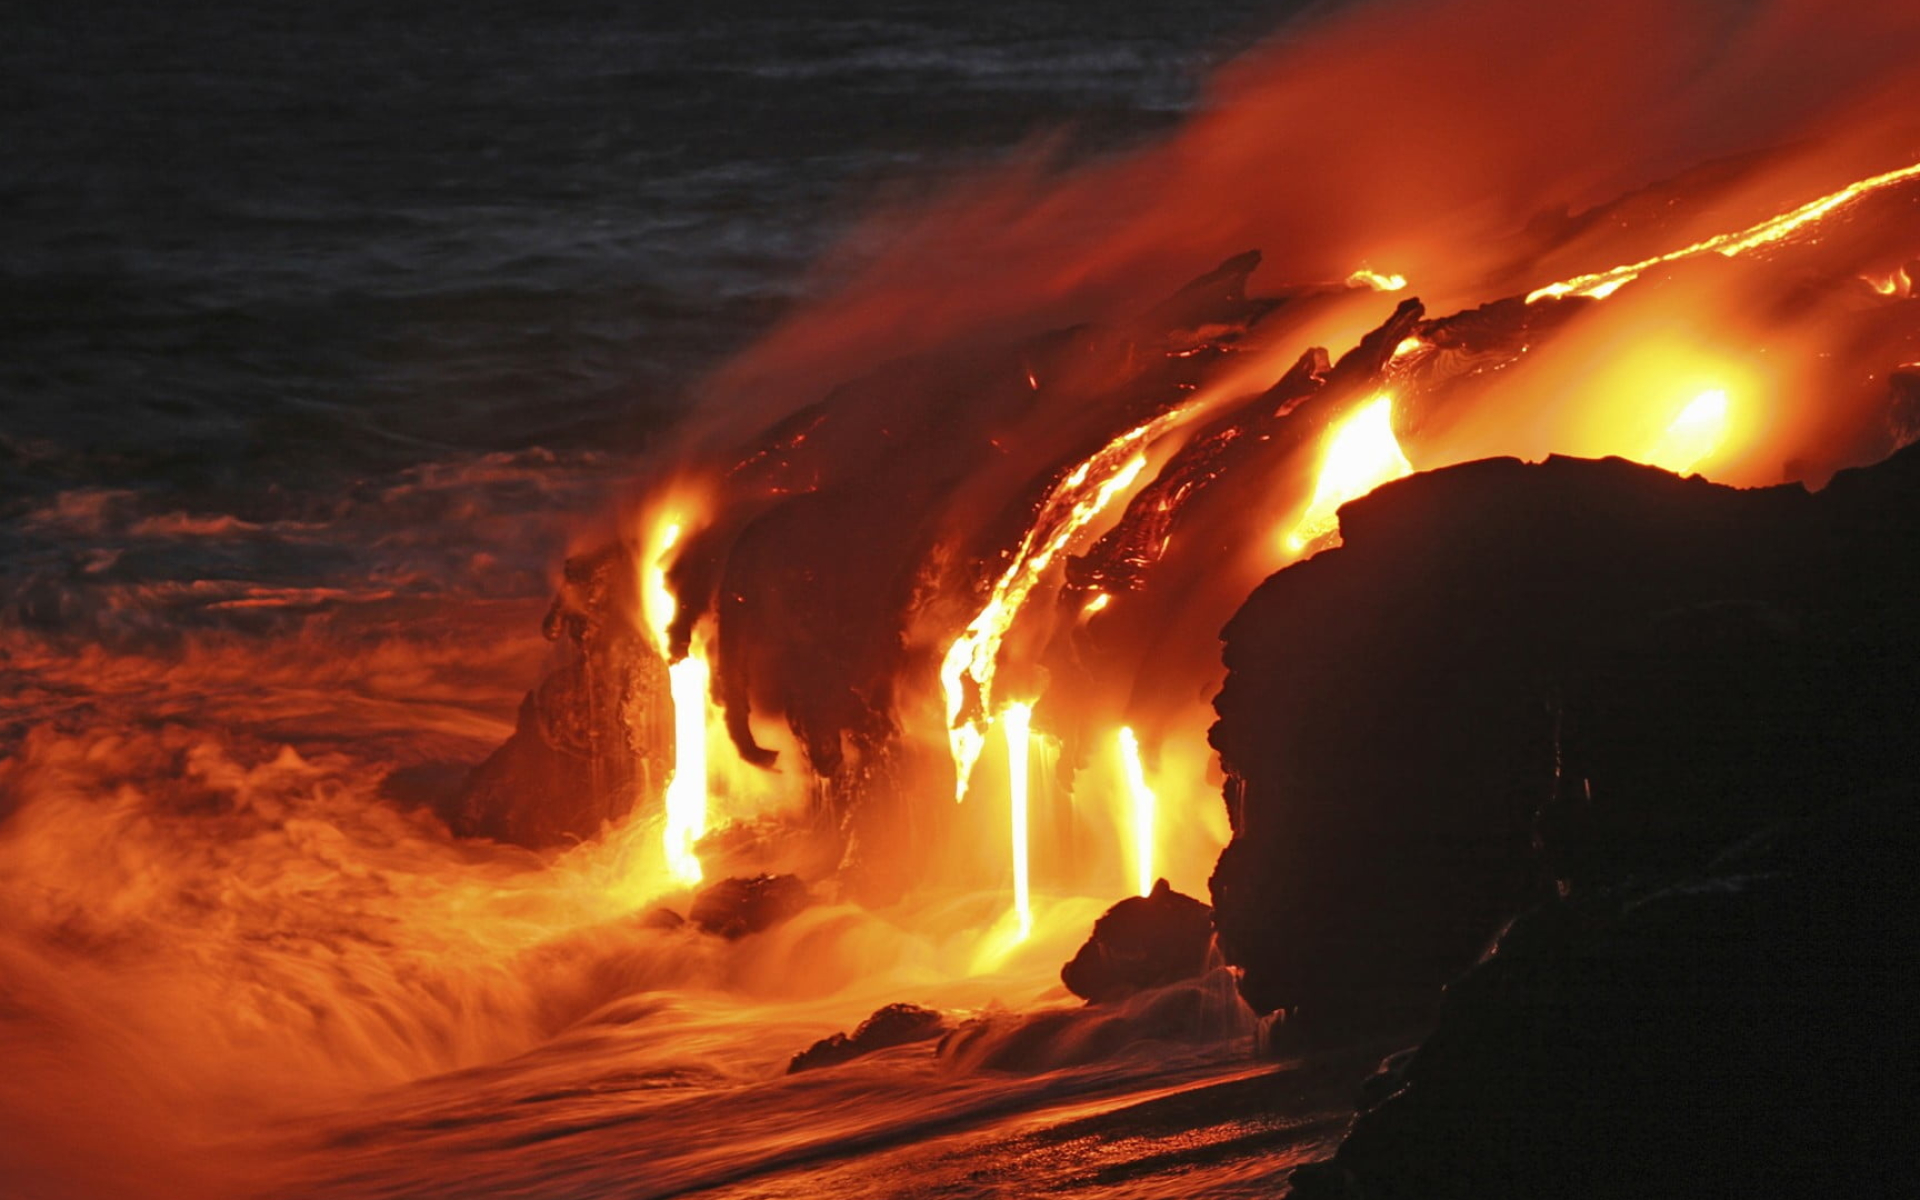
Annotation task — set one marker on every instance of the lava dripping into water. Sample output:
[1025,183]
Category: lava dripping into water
[204,923]
[1144,804]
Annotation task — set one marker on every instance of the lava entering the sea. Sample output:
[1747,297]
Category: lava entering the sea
[1047,549]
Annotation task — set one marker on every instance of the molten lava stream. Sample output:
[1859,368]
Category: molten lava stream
[1069,510]
[1361,454]
[686,798]
[1015,724]
[689,680]
[1694,434]
[1141,802]
[1775,229]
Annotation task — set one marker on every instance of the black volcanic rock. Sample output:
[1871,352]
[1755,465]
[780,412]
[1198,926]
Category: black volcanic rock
[661,918]
[894,1025]
[1652,666]
[1142,942]
[734,908]
[595,737]
[1714,998]
[1743,1030]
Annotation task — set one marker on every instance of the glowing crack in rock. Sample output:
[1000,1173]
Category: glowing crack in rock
[1141,803]
[1377,281]
[1774,229]
[1408,347]
[1070,506]
[1361,454]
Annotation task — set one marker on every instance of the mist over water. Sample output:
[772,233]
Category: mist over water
[324,332]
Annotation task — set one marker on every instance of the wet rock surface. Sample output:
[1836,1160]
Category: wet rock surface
[1142,942]
[1406,714]
[734,908]
[595,737]
[894,1025]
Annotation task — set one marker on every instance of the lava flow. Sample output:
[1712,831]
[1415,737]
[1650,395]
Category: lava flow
[1140,793]
[685,799]
[1414,393]
[1361,455]
[967,671]
[895,666]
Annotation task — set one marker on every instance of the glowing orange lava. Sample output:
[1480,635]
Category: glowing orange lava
[1074,503]
[686,801]
[1141,802]
[1361,454]
[1694,434]
[1774,229]
[1015,725]
[1377,281]
[1893,283]
[657,605]
[687,683]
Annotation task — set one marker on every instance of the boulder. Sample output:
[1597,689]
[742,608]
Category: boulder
[1142,942]
[660,918]
[894,1025]
[1668,722]
[734,908]
[595,737]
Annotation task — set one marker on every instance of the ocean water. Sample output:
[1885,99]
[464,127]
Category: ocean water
[325,332]
[262,262]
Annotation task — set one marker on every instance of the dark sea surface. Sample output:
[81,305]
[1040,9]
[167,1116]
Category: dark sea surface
[307,277]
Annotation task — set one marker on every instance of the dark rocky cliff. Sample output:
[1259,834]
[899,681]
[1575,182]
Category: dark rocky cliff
[1652,738]
[1400,711]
